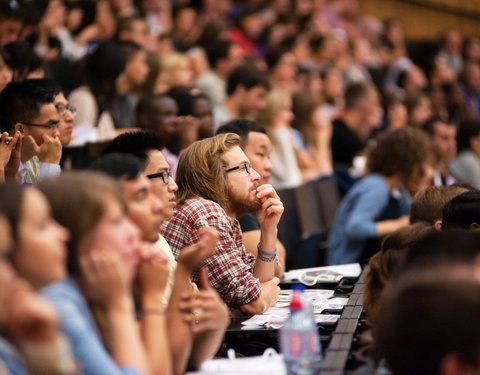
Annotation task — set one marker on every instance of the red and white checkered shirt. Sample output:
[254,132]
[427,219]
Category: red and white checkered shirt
[230,268]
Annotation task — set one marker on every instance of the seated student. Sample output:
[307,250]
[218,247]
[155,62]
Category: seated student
[257,147]
[30,336]
[352,129]
[158,113]
[30,110]
[466,165]
[192,341]
[378,204]
[443,249]
[463,211]
[192,102]
[147,147]
[444,146]
[39,257]
[385,264]
[66,111]
[216,184]
[427,326]
[428,204]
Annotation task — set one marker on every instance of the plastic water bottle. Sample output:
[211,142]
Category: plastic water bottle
[299,340]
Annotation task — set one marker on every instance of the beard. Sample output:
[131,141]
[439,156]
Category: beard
[243,205]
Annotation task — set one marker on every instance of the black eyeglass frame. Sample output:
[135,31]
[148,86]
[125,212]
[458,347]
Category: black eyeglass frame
[52,125]
[246,166]
[162,174]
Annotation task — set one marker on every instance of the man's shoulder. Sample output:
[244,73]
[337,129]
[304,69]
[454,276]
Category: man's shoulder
[200,207]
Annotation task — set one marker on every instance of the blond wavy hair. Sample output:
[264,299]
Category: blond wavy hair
[201,169]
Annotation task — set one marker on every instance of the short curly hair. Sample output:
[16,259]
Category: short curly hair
[399,152]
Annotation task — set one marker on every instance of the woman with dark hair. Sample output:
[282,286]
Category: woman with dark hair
[466,165]
[6,71]
[378,204]
[93,100]
[192,102]
[25,63]
[384,265]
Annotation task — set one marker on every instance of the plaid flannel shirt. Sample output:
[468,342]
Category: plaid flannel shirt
[230,268]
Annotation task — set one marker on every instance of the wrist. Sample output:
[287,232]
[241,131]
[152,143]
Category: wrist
[153,300]
[183,267]
[49,160]
[266,256]
[268,242]
[153,311]
[121,305]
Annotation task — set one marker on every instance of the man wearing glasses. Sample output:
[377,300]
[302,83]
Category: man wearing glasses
[28,110]
[65,110]
[216,185]
[147,146]
[257,146]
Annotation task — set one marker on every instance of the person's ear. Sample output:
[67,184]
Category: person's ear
[474,226]
[19,127]
[438,225]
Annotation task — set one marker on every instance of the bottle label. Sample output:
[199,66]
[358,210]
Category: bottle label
[312,343]
[295,344]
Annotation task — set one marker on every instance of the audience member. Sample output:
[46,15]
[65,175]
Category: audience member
[419,109]
[451,50]
[12,20]
[6,68]
[104,251]
[175,70]
[444,148]
[133,75]
[470,79]
[216,184]
[65,110]
[384,265]
[466,165]
[135,29]
[31,338]
[462,211]
[424,326]
[27,108]
[351,131]
[93,100]
[257,146]
[26,64]
[246,95]
[276,117]
[158,113]
[46,243]
[444,249]
[223,56]
[427,205]
[378,204]
[193,103]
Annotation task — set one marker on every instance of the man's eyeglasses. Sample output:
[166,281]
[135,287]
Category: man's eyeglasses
[165,175]
[246,166]
[51,125]
[62,109]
